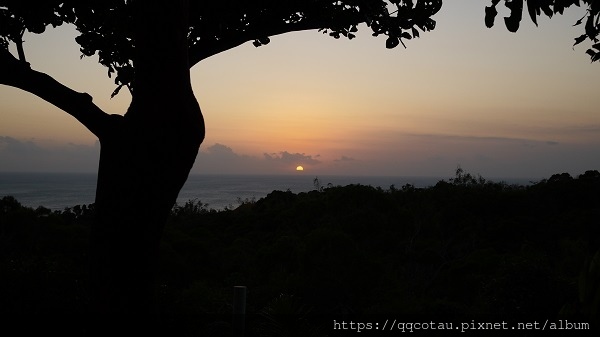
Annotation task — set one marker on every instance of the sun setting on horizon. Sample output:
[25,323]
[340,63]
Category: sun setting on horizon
[299,168]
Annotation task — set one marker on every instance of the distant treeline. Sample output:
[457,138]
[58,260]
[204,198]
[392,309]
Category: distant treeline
[464,249]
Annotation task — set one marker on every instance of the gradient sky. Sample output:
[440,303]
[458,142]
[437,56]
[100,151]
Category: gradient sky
[495,103]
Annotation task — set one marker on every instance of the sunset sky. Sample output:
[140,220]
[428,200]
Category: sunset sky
[495,103]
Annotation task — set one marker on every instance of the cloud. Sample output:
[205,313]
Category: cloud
[221,159]
[578,129]
[482,139]
[44,156]
[436,154]
[221,150]
[32,155]
[401,155]
[292,158]
[344,159]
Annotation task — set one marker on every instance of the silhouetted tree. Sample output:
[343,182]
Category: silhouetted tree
[147,153]
[535,8]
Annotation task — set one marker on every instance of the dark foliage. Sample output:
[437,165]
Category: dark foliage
[550,8]
[465,248]
[106,26]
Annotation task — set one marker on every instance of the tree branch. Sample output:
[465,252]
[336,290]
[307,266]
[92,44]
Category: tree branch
[203,50]
[19,74]
[19,43]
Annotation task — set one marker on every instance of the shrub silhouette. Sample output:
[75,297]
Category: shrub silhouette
[465,248]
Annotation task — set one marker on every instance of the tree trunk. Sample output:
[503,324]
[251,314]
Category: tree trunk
[145,159]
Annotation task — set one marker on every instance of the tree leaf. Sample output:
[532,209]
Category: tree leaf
[559,7]
[415,32]
[490,16]
[590,28]
[392,42]
[429,24]
[116,91]
[511,24]
[533,7]
[580,39]
[579,21]
[546,9]
[516,14]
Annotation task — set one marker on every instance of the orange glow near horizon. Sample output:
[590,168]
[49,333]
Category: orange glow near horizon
[490,104]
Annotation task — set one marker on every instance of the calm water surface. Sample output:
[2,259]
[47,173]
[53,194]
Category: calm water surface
[60,190]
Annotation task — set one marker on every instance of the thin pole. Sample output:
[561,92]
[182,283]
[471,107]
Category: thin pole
[239,310]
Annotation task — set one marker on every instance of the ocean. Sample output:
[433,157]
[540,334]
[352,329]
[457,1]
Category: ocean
[57,191]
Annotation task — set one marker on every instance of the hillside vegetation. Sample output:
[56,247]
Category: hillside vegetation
[463,249]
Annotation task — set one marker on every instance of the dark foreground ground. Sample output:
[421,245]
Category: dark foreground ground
[463,252]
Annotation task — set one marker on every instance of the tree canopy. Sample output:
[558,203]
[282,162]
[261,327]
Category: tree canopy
[536,8]
[105,26]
